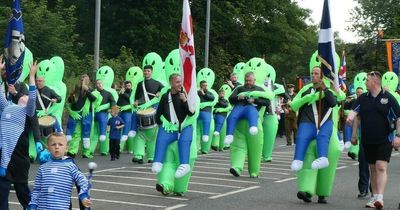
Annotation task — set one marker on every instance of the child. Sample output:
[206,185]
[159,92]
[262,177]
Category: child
[116,124]
[55,179]
[220,112]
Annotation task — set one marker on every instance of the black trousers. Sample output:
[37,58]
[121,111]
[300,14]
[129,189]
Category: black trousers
[363,172]
[21,189]
[114,148]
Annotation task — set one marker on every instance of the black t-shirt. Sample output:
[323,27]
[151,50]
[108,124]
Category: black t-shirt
[306,113]
[152,86]
[21,89]
[207,97]
[375,113]
[222,103]
[82,96]
[349,104]
[124,98]
[259,101]
[181,108]
[48,92]
[107,97]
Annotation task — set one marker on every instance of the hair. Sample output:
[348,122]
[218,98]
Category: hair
[148,67]
[221,91]
[250,73]
[360,88]
[115,108]
[173,76]
[202,82]
[233,74]
[127,82]
[54,135]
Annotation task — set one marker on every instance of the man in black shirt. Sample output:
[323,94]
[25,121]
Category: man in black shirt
[205,111]
[146,96]
[80,109]
[125,107]
[233,82]
[101,115]
[171,114]
[377,110]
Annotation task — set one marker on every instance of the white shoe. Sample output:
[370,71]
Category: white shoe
[124,138]
[182,170]
[370,203]
[296,165]
[341,146]
[102,138]
[86,143]
[216,133]
[319,163]
[378,204]
[132,134]
[253,130]
[205,138]
[69,138]
[347,145]
[228,139]
[156,167]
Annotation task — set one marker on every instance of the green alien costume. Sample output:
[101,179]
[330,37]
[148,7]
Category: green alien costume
[207,75]
[238,69]
[218,140]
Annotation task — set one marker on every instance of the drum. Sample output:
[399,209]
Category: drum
[146,118]
[46,121]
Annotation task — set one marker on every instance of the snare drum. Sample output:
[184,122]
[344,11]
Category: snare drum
[147,118]
[46,121]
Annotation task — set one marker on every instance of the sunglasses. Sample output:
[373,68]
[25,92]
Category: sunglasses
[375,73]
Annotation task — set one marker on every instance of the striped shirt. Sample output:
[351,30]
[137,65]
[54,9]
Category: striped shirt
[54,182]
[12,124]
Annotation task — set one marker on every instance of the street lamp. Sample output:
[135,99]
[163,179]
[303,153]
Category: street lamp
[97,36]
[207,33]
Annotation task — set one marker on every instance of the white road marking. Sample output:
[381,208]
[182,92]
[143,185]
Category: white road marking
[139,194]
[233,192]
[341,167]
[176,207]
[285,180]
[124,202]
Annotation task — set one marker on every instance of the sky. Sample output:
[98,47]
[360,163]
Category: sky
[340,16]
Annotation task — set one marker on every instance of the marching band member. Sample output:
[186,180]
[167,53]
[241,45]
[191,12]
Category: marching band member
[205,112]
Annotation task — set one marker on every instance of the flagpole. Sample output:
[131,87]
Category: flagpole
[97,36]
[207,34]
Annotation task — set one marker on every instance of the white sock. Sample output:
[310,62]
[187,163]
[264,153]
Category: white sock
[124,138]
[132,133]
[86,143]
[319,163]
[228,139]
[216,133]
[297,165]
[102,138]
[205,138]
[156,167]
[69,137]
[347,145]
[182,170]
[253,130]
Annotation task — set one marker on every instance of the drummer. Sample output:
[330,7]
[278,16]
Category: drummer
[146,96]
[45,98]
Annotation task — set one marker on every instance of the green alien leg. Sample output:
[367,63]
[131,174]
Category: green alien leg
[73,145]
[166,177]
[32,147]
[205,146]
[130,144]
[307,177]
[94,138]
[122,145]
[139,145]
[270,126]
[104,145]
[150,136]
[354,149]
[182,184]
[238,148]
[254,146]
[222,136]
[326,176]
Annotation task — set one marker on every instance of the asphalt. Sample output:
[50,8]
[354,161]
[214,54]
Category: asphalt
[122,184]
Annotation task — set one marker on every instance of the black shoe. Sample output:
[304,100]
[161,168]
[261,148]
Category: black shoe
[160,189]
[322,199]
[234,172]
[351,155]
[362,195]
[179,194]
[134,160]
[112,158]
[203,153]
[306,197]
[289,144]
[117,157]
[140,161]
[85,156]
[399,206]
[214,148]
[150,161]
[226,148]
[71,155]
[103,154]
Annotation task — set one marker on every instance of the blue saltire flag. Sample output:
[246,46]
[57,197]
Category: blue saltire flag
[326,46]
[14,49]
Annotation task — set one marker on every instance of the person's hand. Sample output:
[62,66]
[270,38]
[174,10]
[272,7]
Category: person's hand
[182,96]
[39,147]
[230,83]
[396,142]
[158,94]
[202,92]
[354,140]
[2,64]
[33,68]
[350,117]
[86,202]
[241,96]
[136,103]
[250,100]
[85,87]
[11,89]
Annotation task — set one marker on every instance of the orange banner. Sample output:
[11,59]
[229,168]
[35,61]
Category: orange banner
[389,54]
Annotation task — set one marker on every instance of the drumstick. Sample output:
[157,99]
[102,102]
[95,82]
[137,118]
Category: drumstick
[45,97]
[91,166]
[151,94]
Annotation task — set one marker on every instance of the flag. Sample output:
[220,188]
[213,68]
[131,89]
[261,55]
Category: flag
[14,49]
[342,73]
[326,46]
[187,55]
[393,56]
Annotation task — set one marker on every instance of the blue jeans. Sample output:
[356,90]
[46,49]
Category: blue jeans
[239,112]
[363,172]
[219,120]
[307,132]
[134,122]
[206,118]
[164,139]
[86,125]
[348,130]
[102,119]
[127,117]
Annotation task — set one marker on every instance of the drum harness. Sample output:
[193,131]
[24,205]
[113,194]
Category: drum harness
[45,109]
[172,113]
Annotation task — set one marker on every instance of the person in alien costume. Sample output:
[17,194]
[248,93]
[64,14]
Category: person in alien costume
[359,82]
[166,181]
[134,75]
[271,122]
[220,114]
[238,70]
[319,182]
[390,81]
[244,143]
[207,75]
[106,75]
[145,140]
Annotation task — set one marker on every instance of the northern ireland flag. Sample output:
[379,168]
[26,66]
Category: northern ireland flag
[342,73]
[187,55]
[326,46]
[14,49]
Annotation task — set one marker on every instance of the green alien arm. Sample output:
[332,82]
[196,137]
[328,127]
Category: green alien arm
[75,115]
[168,126]
[279,89]
[299,101]
[267,94]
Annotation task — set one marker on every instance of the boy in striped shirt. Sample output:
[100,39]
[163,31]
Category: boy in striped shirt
[55,179]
